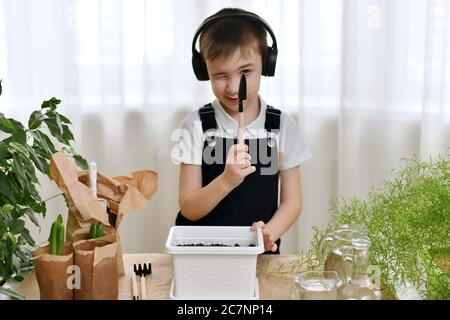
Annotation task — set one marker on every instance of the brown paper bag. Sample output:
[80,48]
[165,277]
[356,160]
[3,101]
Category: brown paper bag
[123,194]
[97,260]
[52,273]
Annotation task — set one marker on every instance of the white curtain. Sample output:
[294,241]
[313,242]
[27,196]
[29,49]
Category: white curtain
[367,80]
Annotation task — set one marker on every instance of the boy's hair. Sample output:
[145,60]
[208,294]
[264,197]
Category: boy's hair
[222,37]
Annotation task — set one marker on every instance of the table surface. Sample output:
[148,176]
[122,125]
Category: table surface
[272,286]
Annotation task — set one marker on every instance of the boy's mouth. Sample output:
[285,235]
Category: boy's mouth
[232,100]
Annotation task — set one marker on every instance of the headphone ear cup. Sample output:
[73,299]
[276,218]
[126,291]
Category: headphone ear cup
[269,62]
[199,66]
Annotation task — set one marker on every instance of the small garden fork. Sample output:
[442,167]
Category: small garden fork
[143,271]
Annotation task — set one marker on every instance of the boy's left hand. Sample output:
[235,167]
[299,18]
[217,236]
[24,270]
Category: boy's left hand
[269,239]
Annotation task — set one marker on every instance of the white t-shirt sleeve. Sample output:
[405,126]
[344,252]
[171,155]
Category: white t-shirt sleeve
[293,148]
[189,141]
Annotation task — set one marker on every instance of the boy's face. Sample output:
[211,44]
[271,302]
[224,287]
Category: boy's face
[225,75]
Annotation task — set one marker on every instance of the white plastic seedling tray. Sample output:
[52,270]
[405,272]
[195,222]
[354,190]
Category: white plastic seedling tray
[174,296]
[214,272]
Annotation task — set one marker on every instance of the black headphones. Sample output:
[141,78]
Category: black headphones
[270,57]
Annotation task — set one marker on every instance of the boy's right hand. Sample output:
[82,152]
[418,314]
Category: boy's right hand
[238,165]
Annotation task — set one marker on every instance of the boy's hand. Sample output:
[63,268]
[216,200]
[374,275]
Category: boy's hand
[238,165]
[269,239]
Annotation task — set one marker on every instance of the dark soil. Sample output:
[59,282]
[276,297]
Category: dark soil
[209,245]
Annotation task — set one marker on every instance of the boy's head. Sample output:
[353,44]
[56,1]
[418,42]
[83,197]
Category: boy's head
[225,31]
[223,37]
[233,42]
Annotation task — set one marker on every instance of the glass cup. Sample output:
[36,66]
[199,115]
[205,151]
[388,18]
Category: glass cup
[315,285]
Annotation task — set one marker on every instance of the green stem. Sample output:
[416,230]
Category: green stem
[57,195]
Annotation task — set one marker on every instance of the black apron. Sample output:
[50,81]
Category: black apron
[256,198]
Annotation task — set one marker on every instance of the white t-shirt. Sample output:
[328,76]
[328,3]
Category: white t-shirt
[190,138]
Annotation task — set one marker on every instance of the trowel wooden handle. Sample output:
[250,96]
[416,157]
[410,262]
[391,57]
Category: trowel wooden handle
[93,178]
[143,288]
[241,129]
[134,287]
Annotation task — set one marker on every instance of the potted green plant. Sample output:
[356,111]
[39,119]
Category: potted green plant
[23,150]
[51,263]
[407,219]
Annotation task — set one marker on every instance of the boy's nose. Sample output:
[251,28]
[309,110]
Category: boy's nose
[233,86]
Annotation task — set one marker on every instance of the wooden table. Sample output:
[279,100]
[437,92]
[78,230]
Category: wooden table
[271,287]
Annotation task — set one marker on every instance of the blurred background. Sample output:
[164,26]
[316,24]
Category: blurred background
[368,82]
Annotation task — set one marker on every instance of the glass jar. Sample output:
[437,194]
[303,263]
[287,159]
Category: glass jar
[315,285]
[360,286]
[337,247]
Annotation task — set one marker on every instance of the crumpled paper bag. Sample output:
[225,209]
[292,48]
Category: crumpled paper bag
[97,260]
[123,194]
[51,273]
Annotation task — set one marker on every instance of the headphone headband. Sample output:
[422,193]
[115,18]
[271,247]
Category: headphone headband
[242,13]
[269,60]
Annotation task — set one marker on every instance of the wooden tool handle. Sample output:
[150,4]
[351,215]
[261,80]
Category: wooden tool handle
[93,178]
[143,288]
[241,129]
[134,287]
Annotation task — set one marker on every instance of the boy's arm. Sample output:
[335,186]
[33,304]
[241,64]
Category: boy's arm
[291,202]
[196,201]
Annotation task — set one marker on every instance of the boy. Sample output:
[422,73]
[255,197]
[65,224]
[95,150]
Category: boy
[221,182]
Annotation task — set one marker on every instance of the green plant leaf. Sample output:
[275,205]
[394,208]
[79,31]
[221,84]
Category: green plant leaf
[35,120]
[19,136]
[51,104]
[81,162]
[11,293]
[3,228]
[59,219]
[29,170]
[26,235]
[52,238]
[19,173]
[4,186]
[18,278]
[11,236]
[36,160]
[58,121]
[67,135]
[7,208]
[4,154]
[37,205]
[64,119]
[6,125]
[60,239]
[43,143]
[3,150]
[16,226]
[18,147]
[32,216]
[55,130]
[42,156]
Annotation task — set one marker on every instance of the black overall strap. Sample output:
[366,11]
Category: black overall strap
[207,117]
[273,117]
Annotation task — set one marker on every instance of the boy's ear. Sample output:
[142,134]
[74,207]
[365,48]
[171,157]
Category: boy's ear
[199,66]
